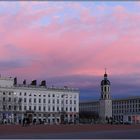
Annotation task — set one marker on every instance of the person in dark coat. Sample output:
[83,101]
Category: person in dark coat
[23,123]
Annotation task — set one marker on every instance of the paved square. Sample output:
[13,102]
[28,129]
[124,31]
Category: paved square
[70,131]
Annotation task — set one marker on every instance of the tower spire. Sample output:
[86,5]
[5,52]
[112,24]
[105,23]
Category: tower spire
[105,75]
[105,70]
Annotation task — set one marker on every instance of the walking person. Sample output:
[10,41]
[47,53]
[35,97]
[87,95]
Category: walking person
[23,122]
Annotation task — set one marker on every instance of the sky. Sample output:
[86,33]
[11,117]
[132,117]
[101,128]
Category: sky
[71,43]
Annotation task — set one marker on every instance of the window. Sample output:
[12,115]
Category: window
[44,95]
[9,107]
[49,95]
[9,93]
[3,99]
[53,108]
[24,100]
[57,101]
[57,108]
[9,99]
[74,108]
[129,118]
[25,94]
[39,108]
[66,101]
[48,108]
[53,95]
[39,100]
[3,93]
[105,89]
[15,107]
[70,101]
[66,109]
[70,109]
[39,95]
[15,99]
[44,100]
[53,101]
[62,109]
[30,108]
[44,108]
[34,108]
[20,108]
[30,94]
[48,101]
[20,99]
[4,108]
[74,101]
[34,100]
[20,93]
[62,102]
[30,100]
[25,108]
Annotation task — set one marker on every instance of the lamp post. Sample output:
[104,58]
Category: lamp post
[14,108]
[62,109]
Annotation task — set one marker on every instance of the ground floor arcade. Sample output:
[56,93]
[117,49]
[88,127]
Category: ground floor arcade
[39,117]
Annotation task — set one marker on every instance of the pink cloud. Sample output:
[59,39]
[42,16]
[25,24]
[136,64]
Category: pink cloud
[85,46]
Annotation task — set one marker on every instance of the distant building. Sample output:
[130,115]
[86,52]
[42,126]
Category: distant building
[38,103]
[122,110]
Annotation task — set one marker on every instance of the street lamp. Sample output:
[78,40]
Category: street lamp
[62,109]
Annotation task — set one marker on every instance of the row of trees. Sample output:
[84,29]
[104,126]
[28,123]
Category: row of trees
[93,117]
[88,117]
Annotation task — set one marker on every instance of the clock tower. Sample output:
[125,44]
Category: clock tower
[105,103]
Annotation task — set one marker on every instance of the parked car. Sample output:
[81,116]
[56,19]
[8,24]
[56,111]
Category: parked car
[121,122]
[115,122]
[128,122]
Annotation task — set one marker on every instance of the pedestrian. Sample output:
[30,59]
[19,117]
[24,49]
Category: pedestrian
[23,122]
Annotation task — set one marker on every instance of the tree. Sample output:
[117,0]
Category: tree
[88,116]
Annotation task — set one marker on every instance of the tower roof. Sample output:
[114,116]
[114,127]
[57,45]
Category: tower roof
[105,81]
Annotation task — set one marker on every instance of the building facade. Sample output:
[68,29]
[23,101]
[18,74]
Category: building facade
[38,103]
[121,110]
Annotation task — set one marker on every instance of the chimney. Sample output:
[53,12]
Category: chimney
[34,83]
[15,81]
[24,82]
[43,83]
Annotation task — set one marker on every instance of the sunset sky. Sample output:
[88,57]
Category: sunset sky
[71,43]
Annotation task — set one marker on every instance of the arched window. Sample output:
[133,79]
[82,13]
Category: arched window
[102,96]
[105,89]
[102,88]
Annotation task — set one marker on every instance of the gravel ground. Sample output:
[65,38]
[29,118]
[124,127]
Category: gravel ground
[14,129]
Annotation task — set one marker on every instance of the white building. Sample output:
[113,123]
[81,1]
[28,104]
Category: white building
[38,103]
[127,109]
[122,109]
